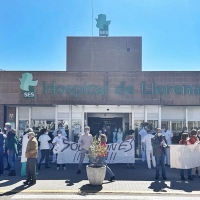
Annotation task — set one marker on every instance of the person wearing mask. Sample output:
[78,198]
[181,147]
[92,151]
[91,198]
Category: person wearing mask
[23,156]
[146,142]
[61,129]
[7,129]
[194,139]
[103,155]
[56,142]
[120,136]
[168,135]
[184,141]
[130,136]
[12,150]
[142,133]
[44,141]
[159,144]
[85,141]
[63,134]
[31,155]
[114,135]
[2,150]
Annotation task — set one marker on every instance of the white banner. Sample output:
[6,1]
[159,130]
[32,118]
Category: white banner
[69,152]
[185,157]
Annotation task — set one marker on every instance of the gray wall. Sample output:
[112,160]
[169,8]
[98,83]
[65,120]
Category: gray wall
[104,54]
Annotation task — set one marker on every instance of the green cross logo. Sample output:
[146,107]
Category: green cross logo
[26,81]
[27,85]
[101,21]
[102,24]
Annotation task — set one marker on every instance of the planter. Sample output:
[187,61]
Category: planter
[96,175]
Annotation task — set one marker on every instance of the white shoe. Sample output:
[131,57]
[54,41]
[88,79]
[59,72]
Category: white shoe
[58,168]
[64,168]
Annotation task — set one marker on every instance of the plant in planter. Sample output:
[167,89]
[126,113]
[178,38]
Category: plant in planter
[96,170]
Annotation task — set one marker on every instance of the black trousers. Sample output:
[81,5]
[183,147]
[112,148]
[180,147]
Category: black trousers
[31,170]
[45,154]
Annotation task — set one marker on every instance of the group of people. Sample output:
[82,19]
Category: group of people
[30,154]
[156,148]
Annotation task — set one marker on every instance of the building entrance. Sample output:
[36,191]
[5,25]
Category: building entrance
[98,123]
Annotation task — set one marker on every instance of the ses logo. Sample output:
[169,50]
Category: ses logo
[28,85]
[102,25]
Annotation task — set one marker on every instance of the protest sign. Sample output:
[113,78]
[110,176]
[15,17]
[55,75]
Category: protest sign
[185,157]
[69,152]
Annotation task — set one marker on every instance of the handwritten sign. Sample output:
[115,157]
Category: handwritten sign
[185,157]
[69,152]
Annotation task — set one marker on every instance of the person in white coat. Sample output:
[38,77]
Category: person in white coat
[44,141]
[146,142]
[23,157]
[168,135]
[61,129]
[120,136]
[142,133]
[63,134]
[114,135]
[56,142]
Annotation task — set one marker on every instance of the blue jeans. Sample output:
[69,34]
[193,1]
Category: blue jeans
[189,171]
[11,159]
[108,170]
[160,160]
[1,161]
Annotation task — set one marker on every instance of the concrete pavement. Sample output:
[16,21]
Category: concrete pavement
[139,181]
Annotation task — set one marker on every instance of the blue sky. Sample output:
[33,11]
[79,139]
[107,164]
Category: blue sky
[33,32]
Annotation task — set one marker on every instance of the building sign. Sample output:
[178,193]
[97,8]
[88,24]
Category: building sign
[75,91]
[28,85]
[102,25]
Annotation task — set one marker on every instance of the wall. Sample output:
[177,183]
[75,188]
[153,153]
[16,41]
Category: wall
[101,88]
[104,54]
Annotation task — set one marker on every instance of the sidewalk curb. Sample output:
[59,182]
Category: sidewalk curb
[101,192]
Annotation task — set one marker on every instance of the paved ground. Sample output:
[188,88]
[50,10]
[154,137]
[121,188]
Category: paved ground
[139,181]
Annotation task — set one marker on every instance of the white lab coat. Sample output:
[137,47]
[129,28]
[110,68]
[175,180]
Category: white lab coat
[24,145]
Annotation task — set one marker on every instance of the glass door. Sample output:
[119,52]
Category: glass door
[176,129]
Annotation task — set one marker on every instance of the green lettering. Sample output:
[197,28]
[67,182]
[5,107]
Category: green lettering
[129,89]
[120,88]
[160,90]
[106,88]
[196,90]
[168,88]
[85,90]
[144,89]
[60,89]
[91,88]
[187,88]
[178,90]
[99,90]
[50,88]
[77,91]
[69,89]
